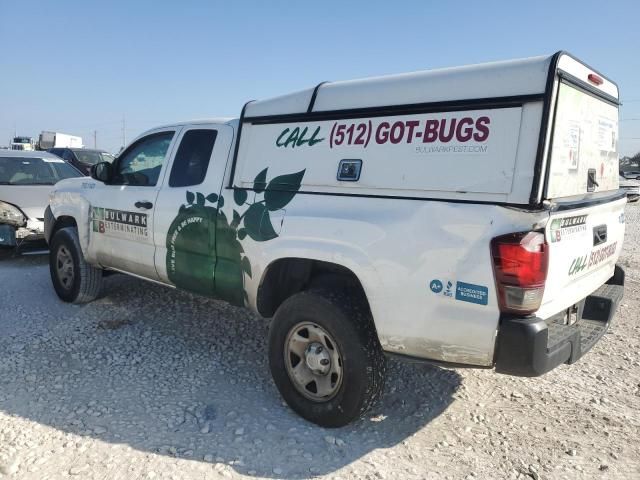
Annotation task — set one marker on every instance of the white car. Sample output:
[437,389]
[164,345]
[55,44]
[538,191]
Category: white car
[465,216]
[631,187]
[26,180]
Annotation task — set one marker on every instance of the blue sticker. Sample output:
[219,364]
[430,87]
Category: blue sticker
[435,286]
[468,292]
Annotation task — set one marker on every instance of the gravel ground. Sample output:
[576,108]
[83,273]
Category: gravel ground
[148,382]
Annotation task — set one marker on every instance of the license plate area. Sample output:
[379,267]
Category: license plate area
[573,314]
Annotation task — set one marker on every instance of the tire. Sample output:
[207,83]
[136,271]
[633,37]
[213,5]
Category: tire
[84,282]
[354,382]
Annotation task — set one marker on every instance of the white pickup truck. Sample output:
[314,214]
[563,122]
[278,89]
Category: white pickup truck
[466,216]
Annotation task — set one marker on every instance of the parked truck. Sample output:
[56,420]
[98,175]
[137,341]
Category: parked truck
[22,143]
[467,216]
[48,140]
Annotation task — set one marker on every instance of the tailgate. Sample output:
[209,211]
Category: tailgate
[584,245]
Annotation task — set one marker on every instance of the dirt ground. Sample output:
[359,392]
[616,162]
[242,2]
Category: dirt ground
[151,383]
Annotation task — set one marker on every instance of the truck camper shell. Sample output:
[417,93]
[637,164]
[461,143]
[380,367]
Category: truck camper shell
[480,133]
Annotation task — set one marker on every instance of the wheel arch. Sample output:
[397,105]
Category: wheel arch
[286,276]
[75,212]
[62,221]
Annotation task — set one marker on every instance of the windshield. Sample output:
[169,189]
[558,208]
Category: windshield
[92,157]
[34,171]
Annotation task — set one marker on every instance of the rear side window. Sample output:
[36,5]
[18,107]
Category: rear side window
[192,160]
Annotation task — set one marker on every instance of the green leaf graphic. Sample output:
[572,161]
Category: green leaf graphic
[274,197]
[240,196]
[260,182]
[204,249]
[189,243]
[236,220]
[258,223]
[246,266]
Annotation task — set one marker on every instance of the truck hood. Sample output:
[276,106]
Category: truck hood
[31,199]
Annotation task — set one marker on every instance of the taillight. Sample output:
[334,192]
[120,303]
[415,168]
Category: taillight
[520,262]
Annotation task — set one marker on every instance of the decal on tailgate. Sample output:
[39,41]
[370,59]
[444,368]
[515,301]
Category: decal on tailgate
[594,258]
[568,227]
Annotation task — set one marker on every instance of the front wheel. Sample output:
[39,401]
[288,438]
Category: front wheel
[325,357]
[74,280]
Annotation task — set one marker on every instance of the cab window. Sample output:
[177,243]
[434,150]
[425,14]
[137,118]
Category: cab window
[141,163]
[192,160]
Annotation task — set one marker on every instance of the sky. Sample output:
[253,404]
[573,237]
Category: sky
[81,67]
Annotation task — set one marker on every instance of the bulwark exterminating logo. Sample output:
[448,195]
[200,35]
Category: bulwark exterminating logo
[118,223]
[568,226]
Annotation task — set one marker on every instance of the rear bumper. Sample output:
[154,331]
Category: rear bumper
[530,347]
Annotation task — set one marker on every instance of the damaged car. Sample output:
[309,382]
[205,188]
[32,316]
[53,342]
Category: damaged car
[631,187]
[26,179]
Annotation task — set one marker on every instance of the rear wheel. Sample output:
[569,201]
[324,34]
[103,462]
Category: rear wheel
[74,280]
[325,357]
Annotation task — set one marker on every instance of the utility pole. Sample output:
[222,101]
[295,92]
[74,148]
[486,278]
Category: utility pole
[95,142]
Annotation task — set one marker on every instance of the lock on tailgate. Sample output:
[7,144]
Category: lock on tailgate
[564,312]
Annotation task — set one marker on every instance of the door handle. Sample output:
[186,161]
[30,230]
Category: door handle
[145,204]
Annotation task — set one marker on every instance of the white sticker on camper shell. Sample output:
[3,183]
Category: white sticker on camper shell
[572,144]
[462,151]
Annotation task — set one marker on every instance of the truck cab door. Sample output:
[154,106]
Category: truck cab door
[187,209]
[122,212]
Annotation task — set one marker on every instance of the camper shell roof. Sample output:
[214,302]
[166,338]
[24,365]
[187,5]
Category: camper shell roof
[511,78]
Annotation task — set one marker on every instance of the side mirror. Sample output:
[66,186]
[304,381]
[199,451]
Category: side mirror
[102,172]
